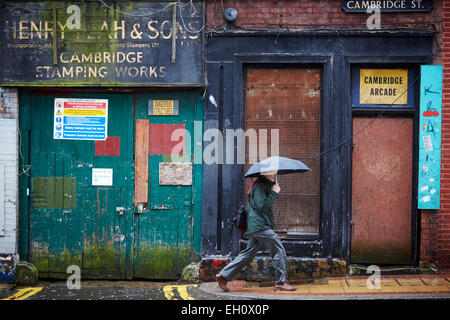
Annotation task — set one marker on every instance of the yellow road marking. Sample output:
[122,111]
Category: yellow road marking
[182,291]
[168,293]
[24,293]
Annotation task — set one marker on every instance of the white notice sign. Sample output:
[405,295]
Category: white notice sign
[102,177]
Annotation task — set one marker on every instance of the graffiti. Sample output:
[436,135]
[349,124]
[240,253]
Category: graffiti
[430,137]
[7,267]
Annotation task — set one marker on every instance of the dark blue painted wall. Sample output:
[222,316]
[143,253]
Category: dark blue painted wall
[227,57]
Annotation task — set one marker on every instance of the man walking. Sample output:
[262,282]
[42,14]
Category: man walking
[260,230]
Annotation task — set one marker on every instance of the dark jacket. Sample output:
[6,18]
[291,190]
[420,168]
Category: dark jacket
[260,199]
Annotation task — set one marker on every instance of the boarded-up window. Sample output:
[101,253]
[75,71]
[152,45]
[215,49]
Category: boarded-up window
[289,100]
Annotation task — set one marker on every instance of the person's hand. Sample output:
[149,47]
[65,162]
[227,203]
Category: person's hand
[276,188]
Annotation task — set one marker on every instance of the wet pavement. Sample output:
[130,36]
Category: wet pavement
[406,287]
[110,290]
[345,288]
[245,300]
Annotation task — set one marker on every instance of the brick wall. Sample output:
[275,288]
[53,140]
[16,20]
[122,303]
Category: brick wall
[316,14]
[443,232]
[428,236]
[312,14]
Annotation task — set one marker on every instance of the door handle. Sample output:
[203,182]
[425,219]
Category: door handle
[120,210]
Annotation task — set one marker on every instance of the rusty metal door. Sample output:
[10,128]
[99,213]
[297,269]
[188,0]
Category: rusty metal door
[382,190]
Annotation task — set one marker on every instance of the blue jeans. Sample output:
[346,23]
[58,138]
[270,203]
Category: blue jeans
[269,239]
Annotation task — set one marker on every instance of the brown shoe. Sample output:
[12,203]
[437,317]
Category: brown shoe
[285,287]
[222,282]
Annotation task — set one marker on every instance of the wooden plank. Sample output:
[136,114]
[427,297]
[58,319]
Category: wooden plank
[141,167]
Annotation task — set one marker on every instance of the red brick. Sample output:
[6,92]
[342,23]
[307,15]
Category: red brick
[303,10]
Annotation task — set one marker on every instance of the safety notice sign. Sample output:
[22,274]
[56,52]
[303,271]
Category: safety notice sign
[80,119]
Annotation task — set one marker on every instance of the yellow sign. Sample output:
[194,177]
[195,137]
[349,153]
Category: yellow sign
[383,86]
[84,113]
[163,107]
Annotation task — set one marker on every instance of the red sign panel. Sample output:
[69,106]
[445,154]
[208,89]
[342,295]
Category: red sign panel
[165,139]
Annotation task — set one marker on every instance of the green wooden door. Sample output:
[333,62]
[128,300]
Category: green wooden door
[167,232]
[73,221]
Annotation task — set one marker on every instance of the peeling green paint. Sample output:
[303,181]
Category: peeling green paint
[94,261]
[54,192]
[53,263]
[165,262]
[59,261]
[101,256]
[39,255]
[93,235]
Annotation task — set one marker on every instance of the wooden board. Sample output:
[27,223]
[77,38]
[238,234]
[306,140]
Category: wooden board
[141,161]
[382,190]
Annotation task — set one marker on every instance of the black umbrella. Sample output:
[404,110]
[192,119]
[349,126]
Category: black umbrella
[282,164]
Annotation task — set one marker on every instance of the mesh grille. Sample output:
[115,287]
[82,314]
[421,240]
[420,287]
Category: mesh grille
[288,100]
